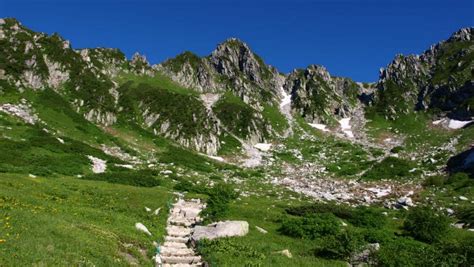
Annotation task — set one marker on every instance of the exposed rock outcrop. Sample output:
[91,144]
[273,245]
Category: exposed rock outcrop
[440,79]
[320,98]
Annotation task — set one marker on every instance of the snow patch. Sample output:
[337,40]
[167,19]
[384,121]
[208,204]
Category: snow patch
[286,99]
[98,165]
[319,126]
[263,147]
[451,124]
[455,124]
[217,158]
[346,127]
[127,166]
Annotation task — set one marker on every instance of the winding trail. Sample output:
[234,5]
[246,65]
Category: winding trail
[176,251]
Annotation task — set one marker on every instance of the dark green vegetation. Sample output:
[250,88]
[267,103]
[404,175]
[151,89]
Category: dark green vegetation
[143,178]
[426,225]
[238,117]
[389,168]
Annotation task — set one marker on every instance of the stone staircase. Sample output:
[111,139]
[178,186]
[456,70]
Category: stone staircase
[176,251]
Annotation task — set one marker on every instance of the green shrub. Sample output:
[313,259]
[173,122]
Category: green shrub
[311,227]
[367,217]
[360,216]
[341,211]
[212,250]
[380,236]
[435,181]
[458,252]
[217,204]
[187,186]
[466,214]
[143,178]
[389,168]
[340,246]
[403,252]
[424,224]
[460,180]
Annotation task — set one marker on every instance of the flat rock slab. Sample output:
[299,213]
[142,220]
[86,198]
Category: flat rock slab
[221,229]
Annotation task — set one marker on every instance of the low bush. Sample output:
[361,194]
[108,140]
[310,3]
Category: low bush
[142,178]
[231,247]
[188,186]
[341,245]
[426,225]
[217,204]
[367,218]
[434,181]
[310,227]
[460,180]
[403,252]
[360,216]
[466,214]
[341,211]
[380,236]
[458,252]
[389,168]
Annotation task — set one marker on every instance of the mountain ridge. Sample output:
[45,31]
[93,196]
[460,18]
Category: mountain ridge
[92,81]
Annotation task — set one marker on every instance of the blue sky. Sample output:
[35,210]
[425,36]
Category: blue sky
[351,38]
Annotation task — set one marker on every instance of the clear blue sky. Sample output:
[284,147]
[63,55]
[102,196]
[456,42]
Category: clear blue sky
[351,38]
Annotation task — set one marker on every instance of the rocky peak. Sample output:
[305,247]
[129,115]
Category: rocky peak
[464,34]
[403,67]
[140,64]
[317,70]
[137,58]
[233,57]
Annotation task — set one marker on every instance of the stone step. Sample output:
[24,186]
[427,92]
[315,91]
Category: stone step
[174,244]
[176,252]
[180,222]
[177,239]
[178,231]
[188,260]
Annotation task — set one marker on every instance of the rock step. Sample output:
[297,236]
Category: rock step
[177,239]
[178,231]
[174,244]
[188,260]
[176,252]
[180,222]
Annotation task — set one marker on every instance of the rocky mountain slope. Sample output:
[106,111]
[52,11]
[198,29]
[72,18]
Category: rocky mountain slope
[439,80]
[232,92]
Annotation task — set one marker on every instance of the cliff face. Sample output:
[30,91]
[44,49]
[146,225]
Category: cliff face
[440,80]
[320,98]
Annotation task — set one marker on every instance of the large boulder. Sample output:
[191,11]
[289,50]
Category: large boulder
[463,162]
[221,229]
